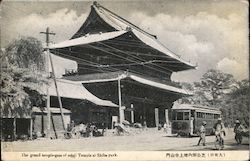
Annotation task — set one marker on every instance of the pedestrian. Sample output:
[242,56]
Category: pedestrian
[165,127]
[238,130]
[169,128]
[219,131]
[202,133]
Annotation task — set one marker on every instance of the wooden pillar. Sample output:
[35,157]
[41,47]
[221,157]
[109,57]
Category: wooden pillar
[166,116]
[168,122]
[14,128]
[121,112]
[31,128]
[132,114]
[156,117]
[144,115]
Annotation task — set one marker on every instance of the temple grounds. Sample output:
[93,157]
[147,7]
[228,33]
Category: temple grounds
[148,140]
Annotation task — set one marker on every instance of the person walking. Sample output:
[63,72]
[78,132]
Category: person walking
[202,134]
[238,129]
[219,131]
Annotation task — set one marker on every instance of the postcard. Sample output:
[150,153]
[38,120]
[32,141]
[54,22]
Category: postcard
[125,80]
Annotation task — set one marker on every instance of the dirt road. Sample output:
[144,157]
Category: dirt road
[151,140]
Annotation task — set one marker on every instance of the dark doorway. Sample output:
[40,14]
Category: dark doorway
[22,127]
[7,128]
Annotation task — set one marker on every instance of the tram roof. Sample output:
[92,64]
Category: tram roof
[198,108]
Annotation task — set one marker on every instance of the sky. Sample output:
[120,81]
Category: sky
[212,34]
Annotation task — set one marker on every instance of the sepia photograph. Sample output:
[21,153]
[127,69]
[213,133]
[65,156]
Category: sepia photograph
[124,80]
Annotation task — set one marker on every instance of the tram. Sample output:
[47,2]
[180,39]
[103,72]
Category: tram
[187,119]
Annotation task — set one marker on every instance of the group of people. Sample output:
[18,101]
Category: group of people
[88,130]
[219,131]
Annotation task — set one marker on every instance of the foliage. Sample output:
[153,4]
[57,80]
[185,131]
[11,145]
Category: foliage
[18,79]
[26,53]
[235,105]
[221,90]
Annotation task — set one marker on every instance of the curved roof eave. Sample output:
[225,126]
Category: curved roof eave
[144,36]
[87,39]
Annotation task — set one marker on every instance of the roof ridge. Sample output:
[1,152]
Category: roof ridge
[130,24]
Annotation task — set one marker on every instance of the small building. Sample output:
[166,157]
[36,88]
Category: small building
[40,120]
[15,124]
[13,128]
[83,105]
[78,103]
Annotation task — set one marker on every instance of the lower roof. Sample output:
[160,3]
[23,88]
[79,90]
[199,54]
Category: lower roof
[73,90]
[113,76]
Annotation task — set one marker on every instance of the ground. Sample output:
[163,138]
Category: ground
[150,140]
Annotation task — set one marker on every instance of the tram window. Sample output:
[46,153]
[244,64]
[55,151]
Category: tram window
[174,116]
[179,115]
[186,115]
[200,115]
[208,115]
[216,116]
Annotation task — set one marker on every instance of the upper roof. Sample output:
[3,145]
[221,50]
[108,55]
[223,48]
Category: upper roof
[103,25]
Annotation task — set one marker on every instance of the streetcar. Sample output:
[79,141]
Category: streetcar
[187,119]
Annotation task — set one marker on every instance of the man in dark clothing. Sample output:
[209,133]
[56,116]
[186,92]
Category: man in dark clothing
[238,130]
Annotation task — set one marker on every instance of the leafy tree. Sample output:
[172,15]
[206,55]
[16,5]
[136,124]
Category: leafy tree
[26,53]
[214,84]
[235,105]
[221,90]
[21,72]
[210,89]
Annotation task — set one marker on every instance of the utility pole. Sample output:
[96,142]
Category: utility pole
[47,33]
[49,58]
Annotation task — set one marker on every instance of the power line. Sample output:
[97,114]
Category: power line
[89,63]
[139,59]
[122,57]
[100,67]
[105,66]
